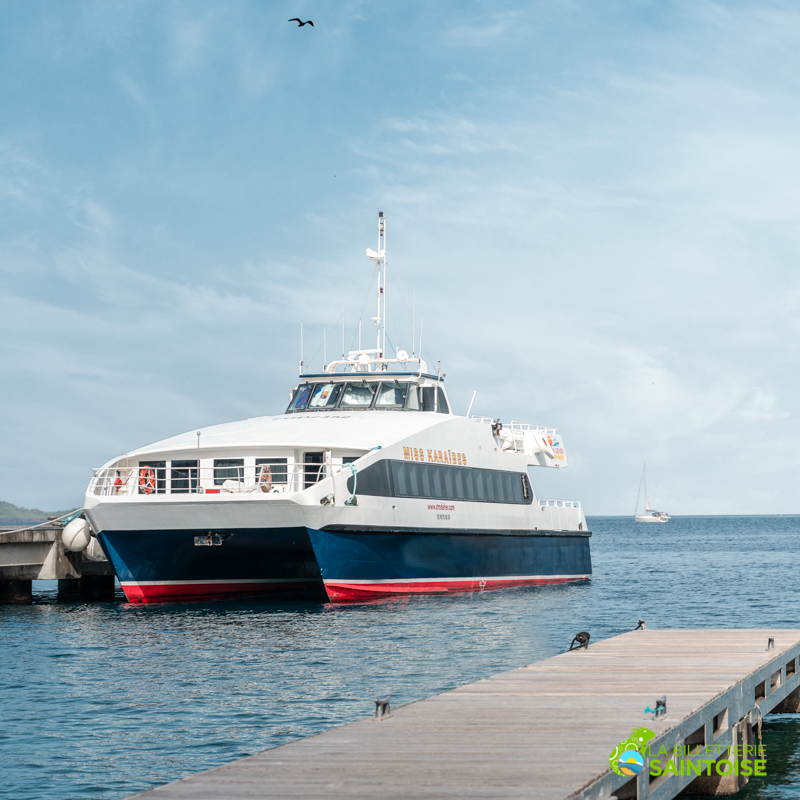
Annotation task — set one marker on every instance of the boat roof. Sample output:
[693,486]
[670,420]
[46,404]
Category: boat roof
[359,430]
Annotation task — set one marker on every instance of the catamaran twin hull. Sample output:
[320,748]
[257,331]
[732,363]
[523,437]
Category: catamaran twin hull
[155,566]
[398,520]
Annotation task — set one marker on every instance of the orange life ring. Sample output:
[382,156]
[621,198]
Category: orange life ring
[147,480]
[265,478]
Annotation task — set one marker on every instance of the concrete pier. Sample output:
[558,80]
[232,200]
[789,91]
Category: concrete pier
[546,731]
[29,554]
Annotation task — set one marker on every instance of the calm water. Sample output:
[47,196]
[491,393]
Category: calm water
[103,700]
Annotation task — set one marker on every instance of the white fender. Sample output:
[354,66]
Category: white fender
[94,552]
[76,535]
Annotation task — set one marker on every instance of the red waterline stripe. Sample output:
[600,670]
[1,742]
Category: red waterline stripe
[154,592]
[340,592]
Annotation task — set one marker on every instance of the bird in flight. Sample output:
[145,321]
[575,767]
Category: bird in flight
[300,23]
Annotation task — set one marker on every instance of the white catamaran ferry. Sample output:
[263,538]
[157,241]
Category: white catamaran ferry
[368,485]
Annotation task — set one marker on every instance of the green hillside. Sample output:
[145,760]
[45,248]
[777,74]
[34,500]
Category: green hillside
[14,515]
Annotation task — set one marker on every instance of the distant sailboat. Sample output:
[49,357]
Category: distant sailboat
[650,515]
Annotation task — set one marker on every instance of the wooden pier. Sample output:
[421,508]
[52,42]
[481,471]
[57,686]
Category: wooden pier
[544,731]
[37,553]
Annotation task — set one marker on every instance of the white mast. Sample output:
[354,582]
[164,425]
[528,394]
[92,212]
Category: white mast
[379,258]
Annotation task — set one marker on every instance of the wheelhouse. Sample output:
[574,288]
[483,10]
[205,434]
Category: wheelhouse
[367,385]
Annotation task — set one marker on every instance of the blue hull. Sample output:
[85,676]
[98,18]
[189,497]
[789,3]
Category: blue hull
[157,566]
[360,564]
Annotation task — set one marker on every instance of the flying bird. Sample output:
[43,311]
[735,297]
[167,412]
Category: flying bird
[300,23]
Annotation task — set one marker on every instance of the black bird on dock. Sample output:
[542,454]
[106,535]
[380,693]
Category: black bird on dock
[300,23]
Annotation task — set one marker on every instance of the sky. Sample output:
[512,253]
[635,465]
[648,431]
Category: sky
[596,206]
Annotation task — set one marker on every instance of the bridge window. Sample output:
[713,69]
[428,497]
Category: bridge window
[391,395]
[358,395]
[301,396]
[325,395]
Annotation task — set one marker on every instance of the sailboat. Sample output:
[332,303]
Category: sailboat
[650,515]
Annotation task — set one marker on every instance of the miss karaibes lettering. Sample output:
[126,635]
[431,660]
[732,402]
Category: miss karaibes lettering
[435,456]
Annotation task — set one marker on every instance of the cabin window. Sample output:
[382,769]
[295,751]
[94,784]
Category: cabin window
[412,403]
[228,469]
[442,403]
[301,396]
[357,395]
[325,395]
[183,477]
[391,395]
[159,474]
[442,482]
[277,470]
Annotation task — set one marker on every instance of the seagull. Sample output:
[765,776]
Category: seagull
[300,23]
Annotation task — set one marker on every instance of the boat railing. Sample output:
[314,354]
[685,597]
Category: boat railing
[149,480]
[521,437]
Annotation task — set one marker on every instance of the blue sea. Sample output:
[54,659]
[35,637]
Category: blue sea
[101,700]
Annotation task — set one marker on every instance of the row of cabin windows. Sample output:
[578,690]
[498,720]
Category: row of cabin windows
[386,395]
[183,474]
[442,482]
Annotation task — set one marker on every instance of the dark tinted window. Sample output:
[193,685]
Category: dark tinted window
[183,477]
[276,473]
[228,469]
[442,482]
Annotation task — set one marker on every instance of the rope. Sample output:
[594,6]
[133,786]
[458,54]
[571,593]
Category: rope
[68,517]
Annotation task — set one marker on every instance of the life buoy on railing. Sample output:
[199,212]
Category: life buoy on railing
[265,478]
[147,480]
[120,484]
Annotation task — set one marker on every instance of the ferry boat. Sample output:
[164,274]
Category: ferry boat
[368,485]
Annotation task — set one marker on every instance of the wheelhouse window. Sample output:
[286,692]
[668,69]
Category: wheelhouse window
[228,469]
[301,397]
[271,471]
[357,395]
[391,394]
[152,477]
[325,395]
[183,477]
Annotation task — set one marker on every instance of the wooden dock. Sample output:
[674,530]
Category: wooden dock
[544,731]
